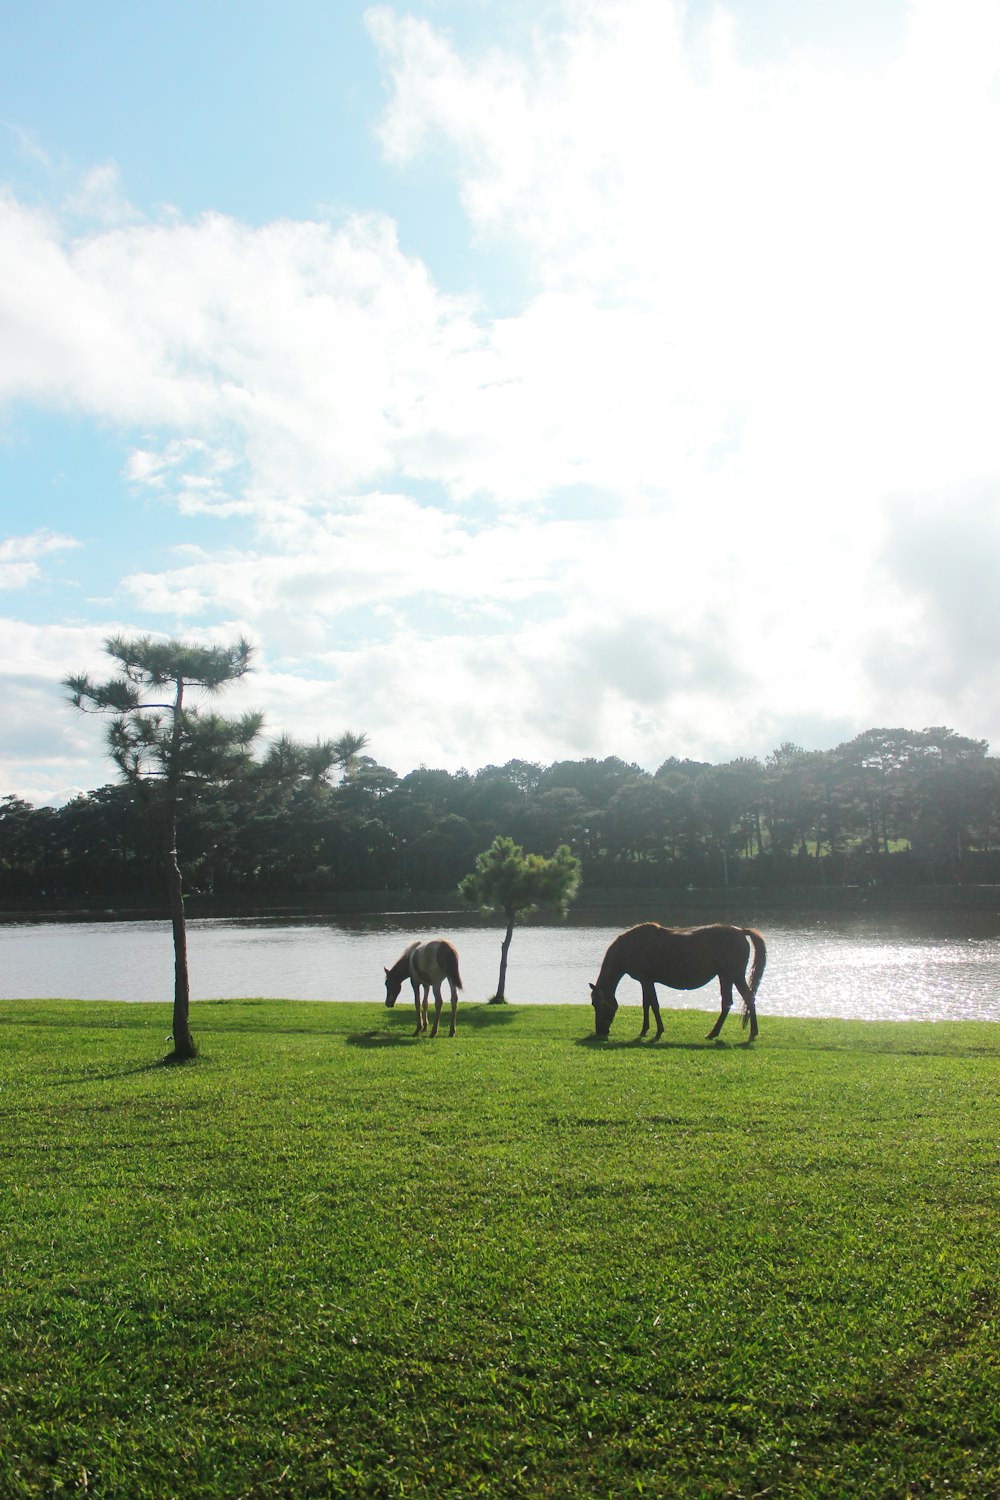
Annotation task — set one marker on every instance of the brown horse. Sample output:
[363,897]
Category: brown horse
[426,966]
[684,958]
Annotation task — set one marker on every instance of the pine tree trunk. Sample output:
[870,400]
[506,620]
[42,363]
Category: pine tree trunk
[184,1047]
[499,997]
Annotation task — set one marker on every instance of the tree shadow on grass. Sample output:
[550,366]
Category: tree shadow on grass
[886,1048]
[487,1014]
[161,1065]
[250,1028]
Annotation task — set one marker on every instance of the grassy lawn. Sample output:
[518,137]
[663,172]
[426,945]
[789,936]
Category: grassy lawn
[332,1259]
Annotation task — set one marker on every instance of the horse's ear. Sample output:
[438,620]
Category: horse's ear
[386,970]
[593,989]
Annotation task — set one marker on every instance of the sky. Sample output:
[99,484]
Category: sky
[525,378]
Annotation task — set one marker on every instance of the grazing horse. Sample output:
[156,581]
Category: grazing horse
[684,958]
[426,966]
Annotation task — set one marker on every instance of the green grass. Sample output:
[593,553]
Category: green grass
[332,1259]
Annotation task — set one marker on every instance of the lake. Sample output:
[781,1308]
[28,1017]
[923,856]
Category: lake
[898,967]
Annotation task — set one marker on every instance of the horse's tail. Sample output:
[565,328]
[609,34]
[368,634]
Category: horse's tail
[452,966]
[759,958]
[757,971]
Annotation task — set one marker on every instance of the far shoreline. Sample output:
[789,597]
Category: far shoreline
[595,907]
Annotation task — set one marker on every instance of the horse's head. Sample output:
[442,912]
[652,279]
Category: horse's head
[393,985]
[604,1009]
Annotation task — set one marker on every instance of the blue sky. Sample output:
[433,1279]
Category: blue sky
[580,378]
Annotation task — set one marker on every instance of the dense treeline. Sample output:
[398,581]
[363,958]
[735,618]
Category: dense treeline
[892,806]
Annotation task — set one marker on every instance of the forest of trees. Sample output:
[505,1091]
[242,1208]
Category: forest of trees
[891,806]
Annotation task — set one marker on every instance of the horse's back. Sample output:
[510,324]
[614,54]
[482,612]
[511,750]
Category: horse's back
[421,958]
[433,961]
[684,958]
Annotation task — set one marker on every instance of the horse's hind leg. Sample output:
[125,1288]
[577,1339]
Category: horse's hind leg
[649,1001]
[454,1010]
[726,990]
[747,996]
[438,1002]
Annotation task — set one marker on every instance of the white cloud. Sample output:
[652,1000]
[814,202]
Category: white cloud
[28,146]
[809,249]
[19,556]
[308,347]
[45,755]
[944,560]
[762,305]
[101,197]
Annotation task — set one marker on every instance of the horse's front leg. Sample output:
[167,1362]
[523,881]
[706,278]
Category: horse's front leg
[416,1002]
[650,1002]
[427,994]
[726,989]
[438,1002]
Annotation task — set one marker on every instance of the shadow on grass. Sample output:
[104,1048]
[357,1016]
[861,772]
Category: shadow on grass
[487,1015]
[381,1039]
[259,1028]
[400,1031]
[661,1044]
[160,1066]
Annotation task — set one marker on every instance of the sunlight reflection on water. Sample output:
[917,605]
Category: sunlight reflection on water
[934,980]
[899,969]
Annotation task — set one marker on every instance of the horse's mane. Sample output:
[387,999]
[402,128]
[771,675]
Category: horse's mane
[402,965]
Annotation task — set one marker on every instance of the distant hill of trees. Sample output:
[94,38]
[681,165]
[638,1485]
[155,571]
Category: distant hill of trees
[896,806]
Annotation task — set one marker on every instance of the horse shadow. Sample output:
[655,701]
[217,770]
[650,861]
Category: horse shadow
[376,1040]
[400,1027]
[661,1044]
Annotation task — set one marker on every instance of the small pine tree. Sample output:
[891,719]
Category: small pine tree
[164,748]
[506,879]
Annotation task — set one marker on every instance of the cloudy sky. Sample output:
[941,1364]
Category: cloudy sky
[541,378]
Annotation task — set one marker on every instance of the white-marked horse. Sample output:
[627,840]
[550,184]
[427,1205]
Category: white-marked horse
[426,966]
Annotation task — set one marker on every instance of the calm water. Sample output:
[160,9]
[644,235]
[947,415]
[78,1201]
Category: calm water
[890,968]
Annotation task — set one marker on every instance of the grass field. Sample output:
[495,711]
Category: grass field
[330,1259]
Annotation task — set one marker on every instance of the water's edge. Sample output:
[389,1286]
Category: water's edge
[868,965]
[665,904]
